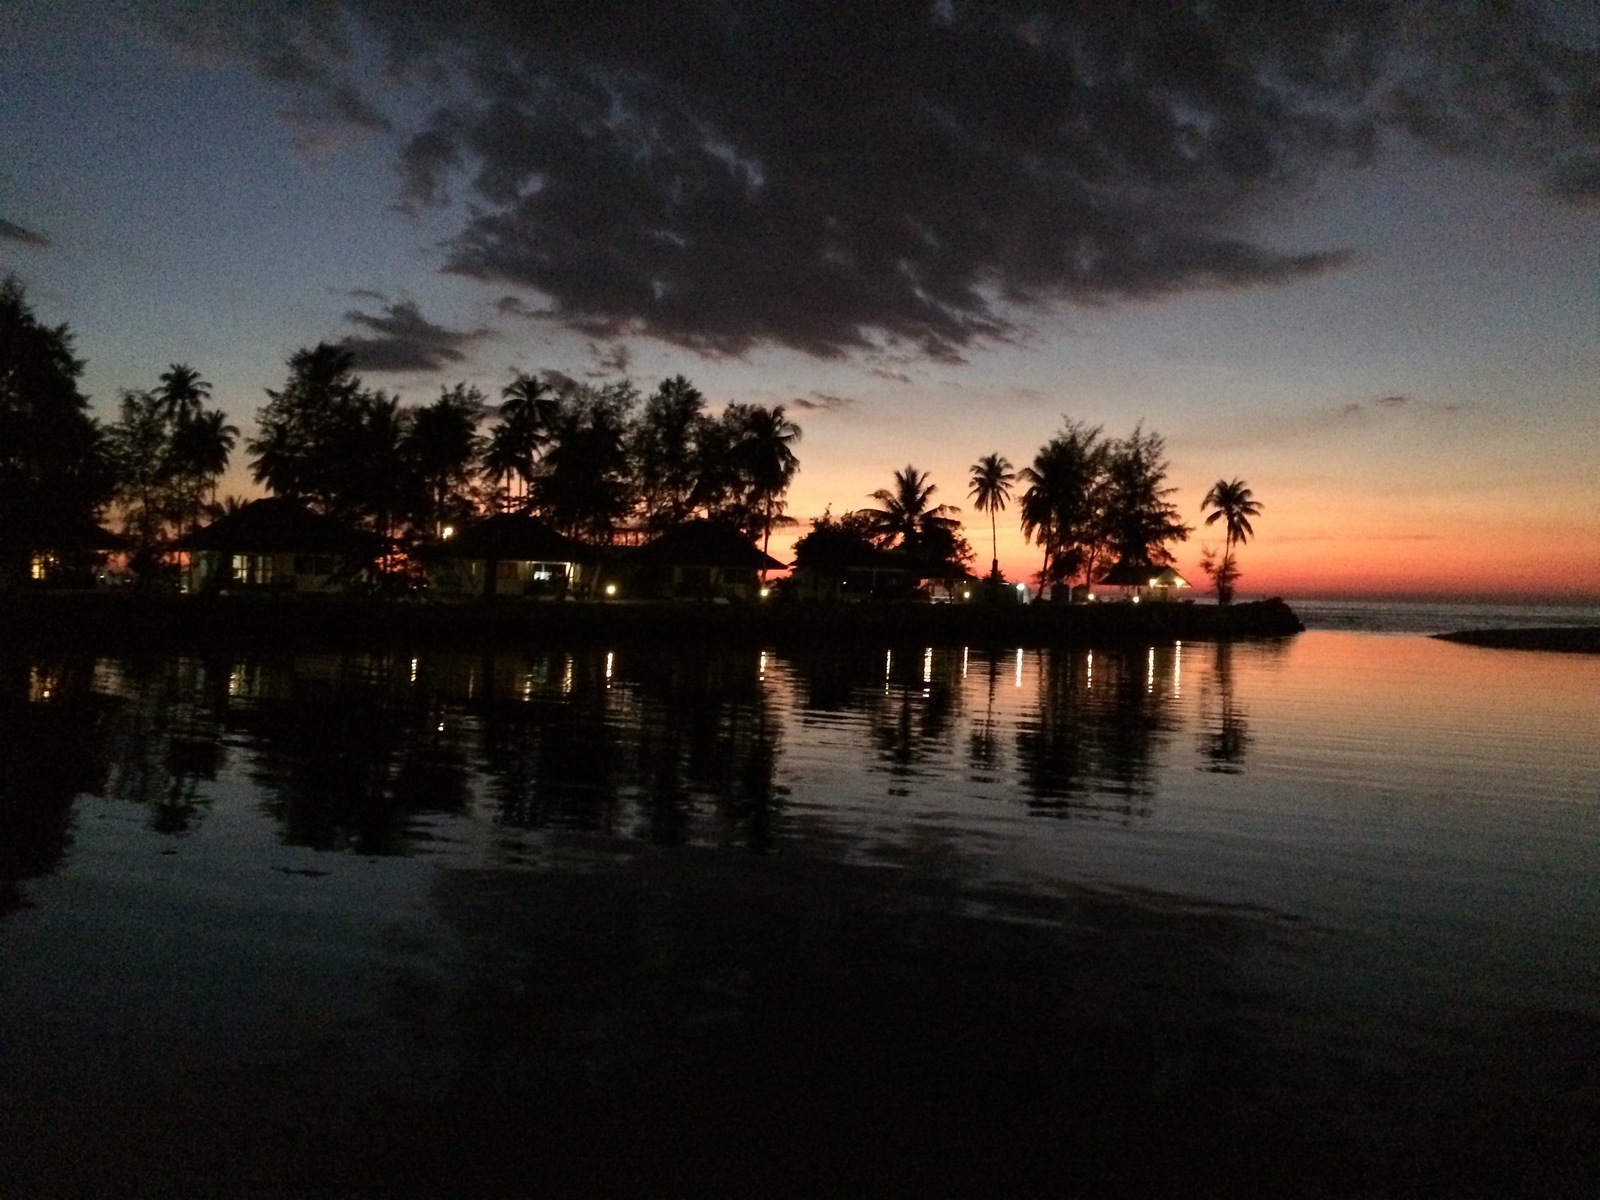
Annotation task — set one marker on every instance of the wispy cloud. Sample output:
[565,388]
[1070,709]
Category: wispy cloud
[823,402]
[10,231]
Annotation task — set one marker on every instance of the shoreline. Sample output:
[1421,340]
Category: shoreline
[129,622]
[1562,639]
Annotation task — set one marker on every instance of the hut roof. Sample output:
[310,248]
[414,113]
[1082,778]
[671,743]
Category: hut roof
[514,537]
[278,525]
[705,544]
[1135,574]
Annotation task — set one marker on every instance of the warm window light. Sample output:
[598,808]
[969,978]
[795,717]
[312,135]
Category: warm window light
[448,531]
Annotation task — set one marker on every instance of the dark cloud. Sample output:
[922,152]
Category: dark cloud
[402,339]
[10,231]
[904,177]
[610,360]
[822,402]
[1393,401]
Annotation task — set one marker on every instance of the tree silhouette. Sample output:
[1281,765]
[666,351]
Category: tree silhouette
[201,448]
[767,460]
[1062,510]
[1140,520]
[182,393]
[1231,502]
[440,445]
[585,487]
[903,511]
[55,473]
[662,446]
[527,417]
[309,430]
[992,478]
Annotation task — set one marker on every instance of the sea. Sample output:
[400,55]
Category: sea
[1304,916]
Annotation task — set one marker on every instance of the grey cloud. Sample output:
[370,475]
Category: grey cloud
[911,178]
[10,231]
[1393,401]
[402,339]
[609,360]
[822,402]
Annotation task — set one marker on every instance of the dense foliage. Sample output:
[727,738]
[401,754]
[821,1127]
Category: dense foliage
[55,474]
[1093,501]
[593,460]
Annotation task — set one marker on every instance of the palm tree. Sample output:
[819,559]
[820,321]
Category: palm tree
[527,421]
[1061,510]
[1232,502]
[992,478]
[767,457]
[201,446]
[903,514]
[182,393]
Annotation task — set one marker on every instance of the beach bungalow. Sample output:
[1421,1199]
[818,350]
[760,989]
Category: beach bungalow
[70,557]
[277,545]
[698,560]
[946,582]
[509,554]
[852,570]
[1142,580]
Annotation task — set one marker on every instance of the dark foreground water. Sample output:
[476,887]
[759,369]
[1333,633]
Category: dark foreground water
[1317,917]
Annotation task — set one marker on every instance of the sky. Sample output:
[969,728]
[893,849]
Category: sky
[1349,254]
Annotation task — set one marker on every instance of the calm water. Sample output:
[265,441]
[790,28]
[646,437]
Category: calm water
[1318,916]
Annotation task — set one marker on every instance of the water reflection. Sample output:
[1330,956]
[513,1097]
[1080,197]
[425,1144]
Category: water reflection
[347,751]
[364,752]
[52,725]
[1224,734]
[166,739]
[1101,717]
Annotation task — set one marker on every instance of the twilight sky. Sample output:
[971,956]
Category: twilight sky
[1350,253]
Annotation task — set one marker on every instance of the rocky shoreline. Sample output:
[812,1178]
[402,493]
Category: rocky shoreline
[126,622]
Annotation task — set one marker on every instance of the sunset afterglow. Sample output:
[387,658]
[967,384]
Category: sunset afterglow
[1373,299]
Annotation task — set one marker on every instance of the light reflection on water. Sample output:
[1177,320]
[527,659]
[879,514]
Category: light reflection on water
[1306,775]
[1430,812]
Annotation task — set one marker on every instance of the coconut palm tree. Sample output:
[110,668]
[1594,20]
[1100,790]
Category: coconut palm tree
[1062,508]
[767,460]
[1231,502]
[992,478]
[182,393]
[903,513]
[201,447]
[528,418]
